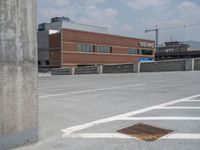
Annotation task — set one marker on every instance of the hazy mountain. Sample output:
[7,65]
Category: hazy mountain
[193,44]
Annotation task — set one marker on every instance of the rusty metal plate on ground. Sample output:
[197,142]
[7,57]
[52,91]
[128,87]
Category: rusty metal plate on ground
[145,132]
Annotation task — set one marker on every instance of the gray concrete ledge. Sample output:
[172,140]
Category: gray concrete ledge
[157,66]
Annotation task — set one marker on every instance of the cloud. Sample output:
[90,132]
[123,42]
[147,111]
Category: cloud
[112,14]
[189,11]
[172,23]
[93,1]
[83,11]
[143,4]
[127,28]
[181,13]
[187,6]
[102,17]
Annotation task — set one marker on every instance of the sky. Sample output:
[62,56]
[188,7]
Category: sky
[177,19]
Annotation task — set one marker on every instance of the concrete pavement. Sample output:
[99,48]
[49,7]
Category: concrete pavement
[82,112]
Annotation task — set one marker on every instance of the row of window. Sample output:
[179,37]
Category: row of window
[108,49]
[134,51]
[103,49]
[94,48]
[46,62]
[85,48]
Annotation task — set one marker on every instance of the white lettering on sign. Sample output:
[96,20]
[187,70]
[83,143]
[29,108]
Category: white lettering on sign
[147,44]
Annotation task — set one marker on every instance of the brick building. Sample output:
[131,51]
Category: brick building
[72,47]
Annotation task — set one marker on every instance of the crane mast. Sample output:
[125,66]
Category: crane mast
[156,31]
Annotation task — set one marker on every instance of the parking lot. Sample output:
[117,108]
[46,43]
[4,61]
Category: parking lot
[86,111]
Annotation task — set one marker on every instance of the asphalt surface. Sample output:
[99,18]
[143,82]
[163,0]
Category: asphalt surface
[85,111]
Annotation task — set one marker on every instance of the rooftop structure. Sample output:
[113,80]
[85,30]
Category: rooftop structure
[173,46]
[176,50]
[64,22]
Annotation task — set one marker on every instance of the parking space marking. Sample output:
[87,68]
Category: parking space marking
[192,100]
[190,136]
[53,87]
[69,132]
[177,107]
[92,90]
[98,135]
[160,118]
[193,136]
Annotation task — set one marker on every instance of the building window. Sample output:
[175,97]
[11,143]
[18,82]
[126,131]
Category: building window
[93,48]
[79,47]
[39,63]
[103,49]
[85,48]
[146,59]
[147,52]
[133,51]
[47,62]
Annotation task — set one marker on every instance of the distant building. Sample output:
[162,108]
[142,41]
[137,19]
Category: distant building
[173,46]
[64,43]
[176,50]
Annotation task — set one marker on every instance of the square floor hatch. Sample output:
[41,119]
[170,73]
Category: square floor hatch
[145,132]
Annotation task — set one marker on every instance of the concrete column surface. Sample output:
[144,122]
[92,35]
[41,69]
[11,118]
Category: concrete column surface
[100,69]
[136,68]
[189,65]
[72,70]
[18,73]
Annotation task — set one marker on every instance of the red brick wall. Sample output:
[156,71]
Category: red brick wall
[69,46]
[120,50]
[71,38]
[55,58]
[70,58]
[99,39]
[54,40]
[55,50]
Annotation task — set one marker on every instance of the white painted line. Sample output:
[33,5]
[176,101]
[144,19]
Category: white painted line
[44,74]
[53,87]
[192,100]
[93,90]
[160,118]
[98,136]
[177,108]
[60,86]
[110,119]
[193,136]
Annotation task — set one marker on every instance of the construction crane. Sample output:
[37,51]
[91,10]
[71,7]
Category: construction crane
[156,29]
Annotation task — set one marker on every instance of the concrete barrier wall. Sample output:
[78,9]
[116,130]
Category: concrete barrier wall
[18,73]
[86,70]
[197,64]
[171,65]
[61,71]
[123,68]
[176,65]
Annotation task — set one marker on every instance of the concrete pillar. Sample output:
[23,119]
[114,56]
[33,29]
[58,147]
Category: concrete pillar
[193,61]
[72,70]
[189,65]
[100,69]
[18,73]
[136,68]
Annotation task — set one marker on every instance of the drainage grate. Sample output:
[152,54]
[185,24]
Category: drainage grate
[145,132]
